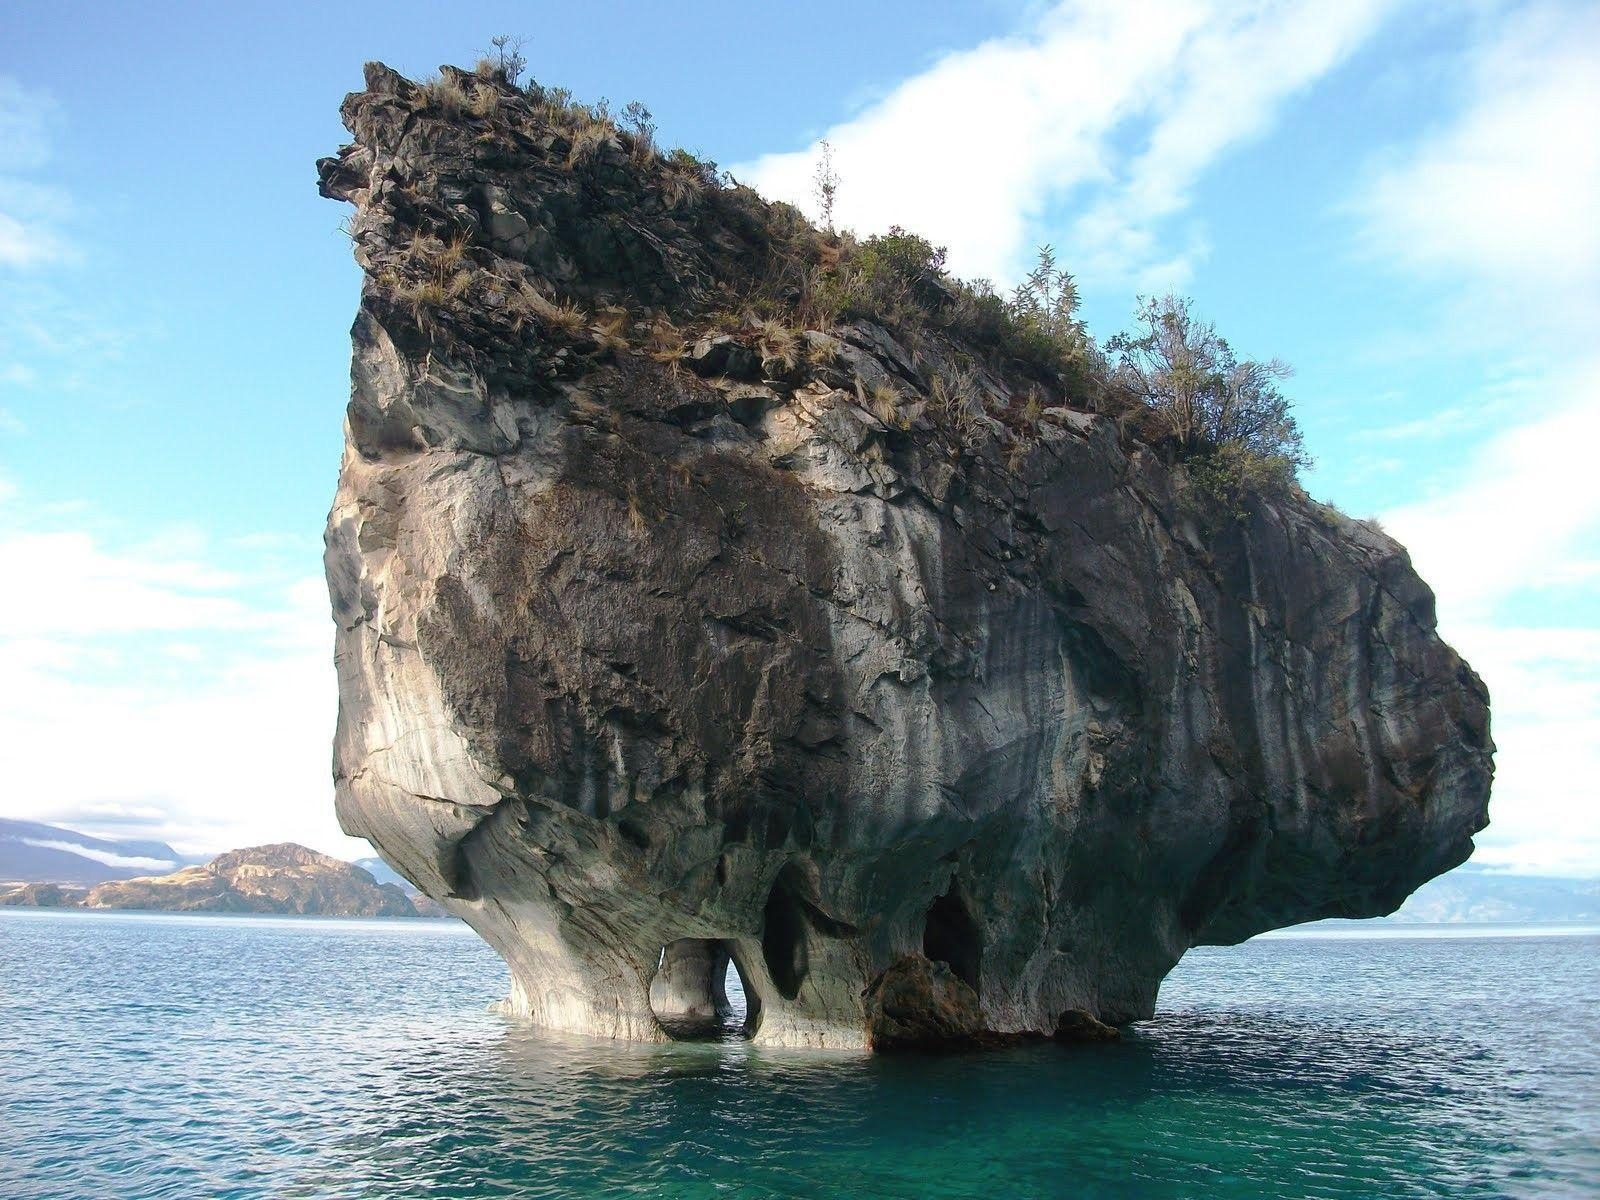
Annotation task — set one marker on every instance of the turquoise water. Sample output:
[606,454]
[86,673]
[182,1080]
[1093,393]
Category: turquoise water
[162,1056]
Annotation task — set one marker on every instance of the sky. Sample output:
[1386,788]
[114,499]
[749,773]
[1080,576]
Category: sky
[1402,199]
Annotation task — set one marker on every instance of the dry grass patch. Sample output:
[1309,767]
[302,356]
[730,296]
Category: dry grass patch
[485,101]
[778,344]
[664,341]
[588,139]
[445,95]
[679,189]
[424,296]
[610,332]
[567,317]
[451,98]
[885,405]
[951,399]
[640,518]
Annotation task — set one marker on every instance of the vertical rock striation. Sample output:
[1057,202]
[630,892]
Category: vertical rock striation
[674,641]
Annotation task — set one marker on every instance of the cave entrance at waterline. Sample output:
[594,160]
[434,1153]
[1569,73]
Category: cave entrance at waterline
[699,994]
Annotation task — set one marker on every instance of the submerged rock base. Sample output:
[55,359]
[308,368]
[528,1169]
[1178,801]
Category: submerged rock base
[668,637]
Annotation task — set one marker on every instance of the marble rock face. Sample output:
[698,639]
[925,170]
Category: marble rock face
[647,663]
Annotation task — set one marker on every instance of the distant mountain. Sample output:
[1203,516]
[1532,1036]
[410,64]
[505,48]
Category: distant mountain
[426,906]
[32,852]
[50,866]
[384,873]
[281,878]
[1473,895]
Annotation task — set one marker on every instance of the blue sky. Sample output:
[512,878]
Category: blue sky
[1398,198]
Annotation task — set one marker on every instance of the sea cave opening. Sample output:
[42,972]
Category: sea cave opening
[699,993]
[950,935]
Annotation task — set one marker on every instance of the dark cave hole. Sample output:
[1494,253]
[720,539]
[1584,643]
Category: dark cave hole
[783,933]
[951,936]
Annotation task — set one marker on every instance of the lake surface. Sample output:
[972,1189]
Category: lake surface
[161,1056]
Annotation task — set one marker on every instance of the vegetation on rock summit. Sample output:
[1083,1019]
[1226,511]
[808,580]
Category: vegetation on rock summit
[643,252]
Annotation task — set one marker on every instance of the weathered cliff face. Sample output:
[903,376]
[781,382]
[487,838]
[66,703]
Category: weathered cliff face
[937,737]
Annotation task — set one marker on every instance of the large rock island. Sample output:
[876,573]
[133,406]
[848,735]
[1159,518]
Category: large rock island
[709,586]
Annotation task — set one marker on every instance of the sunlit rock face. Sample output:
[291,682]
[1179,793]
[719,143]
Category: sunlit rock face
[691,650]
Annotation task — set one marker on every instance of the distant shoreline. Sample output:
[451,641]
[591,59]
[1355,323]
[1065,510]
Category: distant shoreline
[1333,930]
[32,912]
[1388,928]
[281,879]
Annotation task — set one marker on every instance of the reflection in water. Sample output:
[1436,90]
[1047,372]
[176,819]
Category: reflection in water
[310,1059]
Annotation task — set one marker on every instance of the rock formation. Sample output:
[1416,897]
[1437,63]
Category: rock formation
[669,635]
[43,895]
[282,878]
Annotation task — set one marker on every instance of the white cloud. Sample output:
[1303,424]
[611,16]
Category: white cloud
[1545,694]
[29,213]
[103,727]
[1225,86]
[148,688]
[131,861]
[1507,195]
[29,243]
[1128,101]
[1517,511]
[75,587]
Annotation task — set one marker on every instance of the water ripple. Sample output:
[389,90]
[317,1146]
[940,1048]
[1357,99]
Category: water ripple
[174,1058]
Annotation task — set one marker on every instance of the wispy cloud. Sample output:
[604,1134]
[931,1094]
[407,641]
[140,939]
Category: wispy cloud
[1118,105]
[102,592]
[1505,197]
[1513,391]
[1516,510]
[49,335]
[151,685]
[1545,685]
[30,213]
[133,861]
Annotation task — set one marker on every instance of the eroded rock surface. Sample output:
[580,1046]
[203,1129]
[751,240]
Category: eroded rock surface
[698,648]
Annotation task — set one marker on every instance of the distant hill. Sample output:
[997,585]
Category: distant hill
[1473,895]
[33,852]
[50,866]
[426,906]
[282,878]
[384,873]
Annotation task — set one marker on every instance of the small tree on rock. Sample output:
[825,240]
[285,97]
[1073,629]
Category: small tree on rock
[506,56]
[1044,307]
[826,185]
[1225,415]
